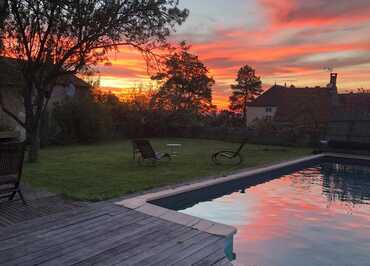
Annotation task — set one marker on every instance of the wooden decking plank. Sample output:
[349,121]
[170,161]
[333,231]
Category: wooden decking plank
[197,258]
[20,212]
[49,249]
[145,245]
[54,218]
[100,220]
[9,211]
[96,245]
[20,215]
[160,253]
[41,223]
[68,249]
[131,243]
[23,239]
[17,247]
[53,222]
[191,248]
[223,262]
[5,220]
[99,234]
[137,243]
[213,258]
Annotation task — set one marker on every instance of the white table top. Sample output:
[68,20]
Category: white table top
[174,145]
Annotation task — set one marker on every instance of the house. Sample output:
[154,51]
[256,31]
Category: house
[11,83]
[284,104]
[344,116]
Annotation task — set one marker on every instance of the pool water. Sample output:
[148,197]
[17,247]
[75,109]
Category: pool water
[316,216]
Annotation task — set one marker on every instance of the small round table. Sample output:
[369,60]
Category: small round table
[174,148]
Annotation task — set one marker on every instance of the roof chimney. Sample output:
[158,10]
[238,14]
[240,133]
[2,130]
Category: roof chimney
[333,80]
[332,86]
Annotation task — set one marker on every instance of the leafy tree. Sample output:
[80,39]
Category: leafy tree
[225,118]
[248,86]
[185,84]
[83,119]
[52,38]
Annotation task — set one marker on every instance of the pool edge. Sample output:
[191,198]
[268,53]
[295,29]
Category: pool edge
[142,203]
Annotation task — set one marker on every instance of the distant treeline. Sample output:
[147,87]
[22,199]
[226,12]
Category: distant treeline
[103,116]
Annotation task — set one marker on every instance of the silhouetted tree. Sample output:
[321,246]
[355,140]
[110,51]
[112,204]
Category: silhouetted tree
[224,118]
[248,86]
[3,14]
[83,119]
[53,38]
[185,84]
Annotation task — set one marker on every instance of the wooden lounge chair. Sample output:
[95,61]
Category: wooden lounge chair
[11,164]
[229,156]
[144,149]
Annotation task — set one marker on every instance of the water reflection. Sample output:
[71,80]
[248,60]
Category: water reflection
[346,183]
[316,216]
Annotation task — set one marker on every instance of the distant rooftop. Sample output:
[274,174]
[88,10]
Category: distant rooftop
[278,94]
[290,99]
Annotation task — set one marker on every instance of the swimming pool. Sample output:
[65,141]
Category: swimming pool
[317,213]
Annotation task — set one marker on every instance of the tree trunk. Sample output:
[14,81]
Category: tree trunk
[245,112]
[34,147]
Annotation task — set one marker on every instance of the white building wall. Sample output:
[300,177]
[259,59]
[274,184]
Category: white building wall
[258,113]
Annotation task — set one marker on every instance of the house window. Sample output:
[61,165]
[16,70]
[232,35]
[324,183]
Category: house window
[268,118]
[268,109]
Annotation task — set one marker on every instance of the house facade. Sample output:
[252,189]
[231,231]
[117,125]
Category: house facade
[11,83]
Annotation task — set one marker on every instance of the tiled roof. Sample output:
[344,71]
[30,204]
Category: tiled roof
[291,100]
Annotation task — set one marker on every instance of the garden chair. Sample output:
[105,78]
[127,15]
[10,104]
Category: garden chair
[144,149]
[229,156]
[11,164]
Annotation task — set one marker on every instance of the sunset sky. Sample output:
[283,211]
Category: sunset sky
[286,41]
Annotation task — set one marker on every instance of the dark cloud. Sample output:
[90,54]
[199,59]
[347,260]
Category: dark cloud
[319,12]
[326,9]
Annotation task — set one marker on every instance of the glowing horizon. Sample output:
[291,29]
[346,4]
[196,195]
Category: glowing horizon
[290,41]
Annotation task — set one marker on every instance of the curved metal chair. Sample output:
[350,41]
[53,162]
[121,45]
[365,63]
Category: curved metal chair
[144,149]
[229,156]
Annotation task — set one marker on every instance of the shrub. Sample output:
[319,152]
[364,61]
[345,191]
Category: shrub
[81,120]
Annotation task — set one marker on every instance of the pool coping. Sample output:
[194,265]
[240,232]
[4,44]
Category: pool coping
[142,203]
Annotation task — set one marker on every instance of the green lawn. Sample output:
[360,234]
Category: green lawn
[105,171]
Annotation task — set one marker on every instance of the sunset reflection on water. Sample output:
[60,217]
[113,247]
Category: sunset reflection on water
[317,216]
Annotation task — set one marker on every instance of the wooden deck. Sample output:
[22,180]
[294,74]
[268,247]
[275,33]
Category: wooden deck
[103,234]
[15,212]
